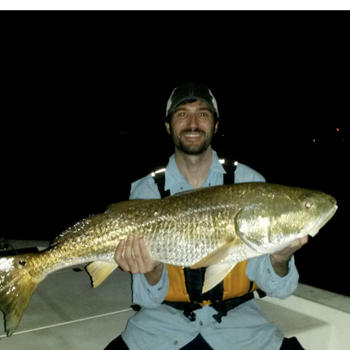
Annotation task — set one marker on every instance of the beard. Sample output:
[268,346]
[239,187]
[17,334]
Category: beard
[196,148]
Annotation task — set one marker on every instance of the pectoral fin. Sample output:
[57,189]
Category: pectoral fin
[99,271]
[219,254]
[214,274]
[218,269]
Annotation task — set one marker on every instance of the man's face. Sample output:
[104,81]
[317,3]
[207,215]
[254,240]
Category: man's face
[192,127]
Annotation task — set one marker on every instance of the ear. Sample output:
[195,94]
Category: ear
[216,127]
[167,126]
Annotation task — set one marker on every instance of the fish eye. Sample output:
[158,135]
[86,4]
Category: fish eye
[22,262]
[308,205]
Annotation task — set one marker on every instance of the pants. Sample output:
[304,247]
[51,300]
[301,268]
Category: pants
[200,344]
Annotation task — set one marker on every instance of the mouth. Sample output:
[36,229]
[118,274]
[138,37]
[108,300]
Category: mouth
[192,135]
[322,221]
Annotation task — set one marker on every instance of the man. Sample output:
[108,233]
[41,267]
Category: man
[165,321]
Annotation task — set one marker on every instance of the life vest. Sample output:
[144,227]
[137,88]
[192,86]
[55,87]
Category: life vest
[185,284]
[234,285]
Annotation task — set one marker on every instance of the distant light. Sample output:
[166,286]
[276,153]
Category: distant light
[235,163]
[337,129]
[314,140]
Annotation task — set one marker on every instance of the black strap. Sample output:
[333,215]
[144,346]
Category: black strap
[194,279]
[222,307]
[230,168]
[159,179]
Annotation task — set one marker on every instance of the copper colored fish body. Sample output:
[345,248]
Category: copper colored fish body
[216,227]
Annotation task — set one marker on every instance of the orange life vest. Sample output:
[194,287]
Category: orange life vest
[235,284]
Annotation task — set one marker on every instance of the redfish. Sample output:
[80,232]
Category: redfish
[216,227]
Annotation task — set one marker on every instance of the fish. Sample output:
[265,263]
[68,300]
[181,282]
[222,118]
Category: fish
[214,227]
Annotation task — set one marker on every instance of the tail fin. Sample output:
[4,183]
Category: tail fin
[16,288]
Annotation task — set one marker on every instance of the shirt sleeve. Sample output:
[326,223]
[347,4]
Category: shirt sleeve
[262,273]
[150,296]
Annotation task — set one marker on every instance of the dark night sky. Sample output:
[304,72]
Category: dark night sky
[85,101]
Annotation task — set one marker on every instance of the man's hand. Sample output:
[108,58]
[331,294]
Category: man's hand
[279,260]
[133,256]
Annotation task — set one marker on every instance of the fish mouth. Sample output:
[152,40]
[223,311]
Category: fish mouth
[322,221]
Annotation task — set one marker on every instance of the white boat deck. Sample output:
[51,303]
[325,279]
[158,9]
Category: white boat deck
[67,313]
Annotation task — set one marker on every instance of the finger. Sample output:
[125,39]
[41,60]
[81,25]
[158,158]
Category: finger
[119,258]
[118,254]
[137,252]
[128,248]
[147,260]
[129,255]
[299,243]
[304,240]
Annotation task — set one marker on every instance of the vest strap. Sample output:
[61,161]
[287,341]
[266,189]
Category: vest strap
[222,307]
[194,279]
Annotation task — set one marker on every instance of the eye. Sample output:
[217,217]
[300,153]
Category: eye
[180,114]
[308,205]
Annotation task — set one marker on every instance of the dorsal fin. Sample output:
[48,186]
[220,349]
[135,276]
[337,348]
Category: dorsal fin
[127,204]
[86,222]
[188,191]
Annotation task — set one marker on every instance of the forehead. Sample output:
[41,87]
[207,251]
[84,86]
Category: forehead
[196,105]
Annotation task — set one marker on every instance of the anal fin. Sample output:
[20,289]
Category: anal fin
[99,271]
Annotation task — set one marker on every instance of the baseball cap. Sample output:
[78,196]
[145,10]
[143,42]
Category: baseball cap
[191,91]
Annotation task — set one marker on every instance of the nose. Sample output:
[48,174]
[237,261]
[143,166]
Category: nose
[192,121]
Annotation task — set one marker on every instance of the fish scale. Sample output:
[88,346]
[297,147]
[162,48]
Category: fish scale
[183,234]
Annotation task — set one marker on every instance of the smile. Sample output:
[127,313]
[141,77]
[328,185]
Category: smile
[192,135]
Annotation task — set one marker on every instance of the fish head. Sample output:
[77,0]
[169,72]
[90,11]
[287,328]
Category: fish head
[274,216]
